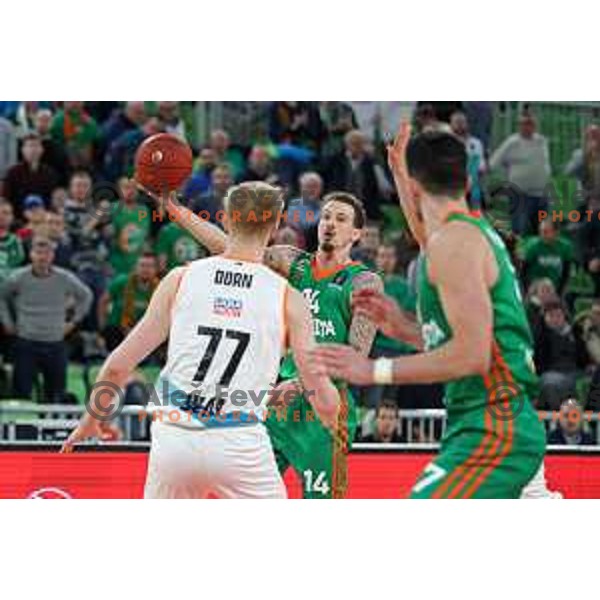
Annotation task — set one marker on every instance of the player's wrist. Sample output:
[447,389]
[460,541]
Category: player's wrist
[383,371]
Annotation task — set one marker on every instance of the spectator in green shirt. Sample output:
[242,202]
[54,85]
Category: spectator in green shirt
[77,132]
[547,256]
[130,228]
[11,247]
[126,299]
[176,247]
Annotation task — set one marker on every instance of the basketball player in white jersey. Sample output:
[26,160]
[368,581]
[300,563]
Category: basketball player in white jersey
[229,319]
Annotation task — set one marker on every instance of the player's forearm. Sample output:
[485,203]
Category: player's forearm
[408,332]
[208,234]
[446,363]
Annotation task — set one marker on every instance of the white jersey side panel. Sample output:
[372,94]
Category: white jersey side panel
[227,330]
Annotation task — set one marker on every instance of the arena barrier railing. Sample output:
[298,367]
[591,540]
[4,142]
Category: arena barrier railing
[32,423]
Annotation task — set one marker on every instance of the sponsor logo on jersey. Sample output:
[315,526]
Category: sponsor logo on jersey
[232,279]
[323,328]
[432,334]
[227,307]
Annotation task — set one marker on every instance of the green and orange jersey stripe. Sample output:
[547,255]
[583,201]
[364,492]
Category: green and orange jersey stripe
[467,478]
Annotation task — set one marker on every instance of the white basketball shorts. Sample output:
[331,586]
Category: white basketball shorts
[226,462]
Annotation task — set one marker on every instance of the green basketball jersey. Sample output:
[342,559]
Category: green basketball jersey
[512,353]
[328,294]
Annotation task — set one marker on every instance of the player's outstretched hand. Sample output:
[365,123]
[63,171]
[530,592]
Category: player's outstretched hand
[89,427]
[342,362]
[382,310]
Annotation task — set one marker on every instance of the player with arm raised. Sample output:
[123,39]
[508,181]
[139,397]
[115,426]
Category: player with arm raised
[227,319]
[327,279]
[475,333]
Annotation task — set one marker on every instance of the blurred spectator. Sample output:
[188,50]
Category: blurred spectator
[226,153]
[557,357]
[585,161]
[425,117]
[130,228]
[212,200]
[296,123]
[169,116]
[354,171]
[304,212]
[386,425]
[77,132]
[524,156]
[368,246]
[54,155]
[480,116]
[548,255]
[199,182]
[119,157]
[56,233]
[476,164]
[58,199]
[11,248]
[338,119]
[35,218]
[540,294]
[126,300]
[88,230]
[588,239]
[570,430]
[33,306]
[25,117]
[8,147]
[588,327]
[31,176]
[129,118]
[260,166]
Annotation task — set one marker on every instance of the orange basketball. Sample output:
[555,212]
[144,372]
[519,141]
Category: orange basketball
[162,163]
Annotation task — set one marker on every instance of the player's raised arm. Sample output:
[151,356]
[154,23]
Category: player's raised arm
[319,390]
[362,328]
[397,162]
[151,331]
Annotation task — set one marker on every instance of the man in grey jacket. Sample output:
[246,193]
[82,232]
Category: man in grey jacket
[33,306]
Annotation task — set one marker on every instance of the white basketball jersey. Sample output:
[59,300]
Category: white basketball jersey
[227,330]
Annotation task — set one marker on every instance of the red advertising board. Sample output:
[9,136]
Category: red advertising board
[45,474]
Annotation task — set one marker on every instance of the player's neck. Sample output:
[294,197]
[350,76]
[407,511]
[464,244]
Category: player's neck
[327,260]
[236,250]
[435,214]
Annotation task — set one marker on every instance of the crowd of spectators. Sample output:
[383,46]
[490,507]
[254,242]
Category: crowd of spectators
[77,270]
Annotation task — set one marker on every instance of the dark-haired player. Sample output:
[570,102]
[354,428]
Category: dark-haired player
[475,331]
[327,279]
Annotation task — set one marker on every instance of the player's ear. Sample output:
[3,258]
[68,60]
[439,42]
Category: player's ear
[356,235]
